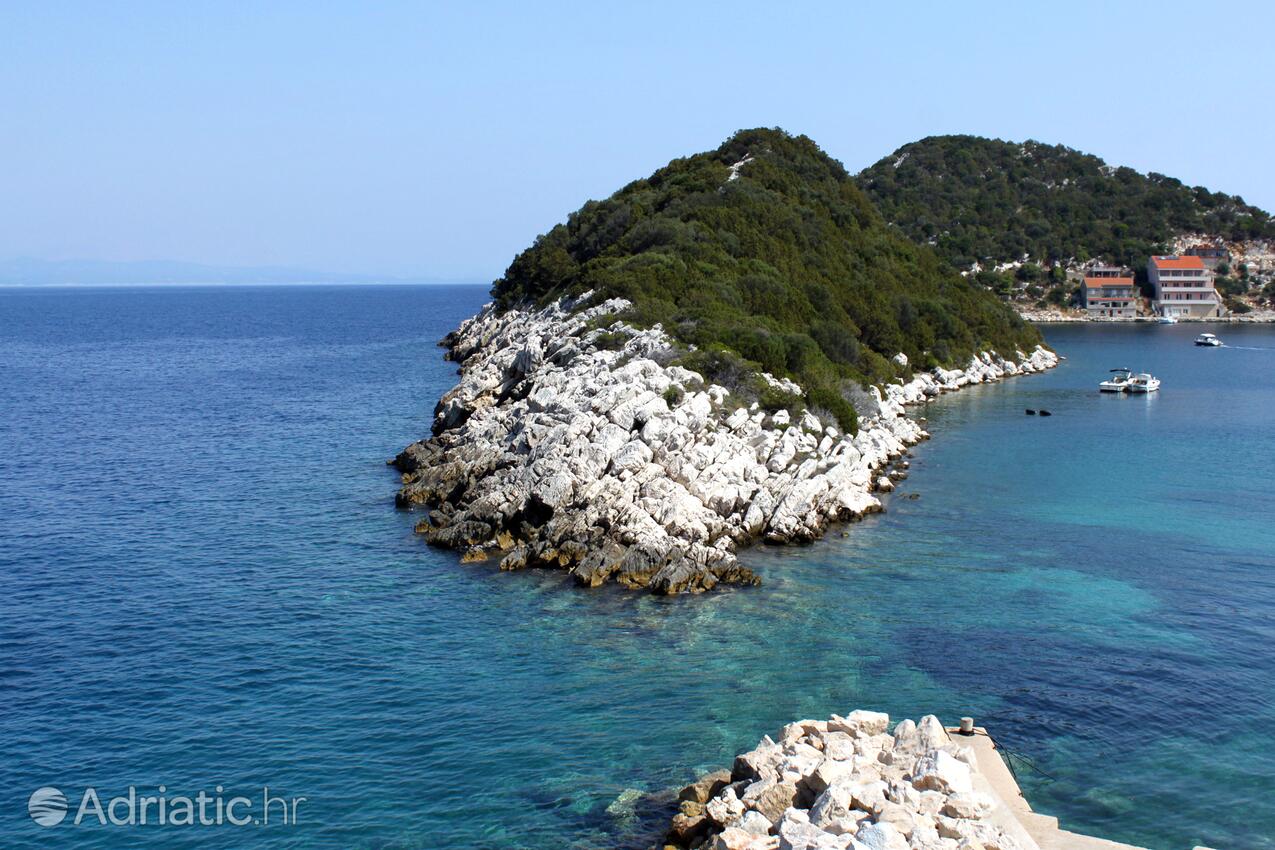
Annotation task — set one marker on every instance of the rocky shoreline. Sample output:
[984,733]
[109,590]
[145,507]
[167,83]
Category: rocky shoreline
[850,783]
[1045,317]
[572,442]
[846,783]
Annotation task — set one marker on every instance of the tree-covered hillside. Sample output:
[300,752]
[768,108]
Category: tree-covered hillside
[766,250]
[979,199]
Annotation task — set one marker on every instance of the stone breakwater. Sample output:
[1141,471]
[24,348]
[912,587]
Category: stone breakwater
[848,783]
[570,443]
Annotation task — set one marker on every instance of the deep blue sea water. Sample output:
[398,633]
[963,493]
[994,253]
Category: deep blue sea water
[203,582]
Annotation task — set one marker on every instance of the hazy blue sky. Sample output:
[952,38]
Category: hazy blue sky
[436,140]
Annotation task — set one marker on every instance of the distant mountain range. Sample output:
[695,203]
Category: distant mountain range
[32,272]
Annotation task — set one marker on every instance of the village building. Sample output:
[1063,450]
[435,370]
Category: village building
[1183,287]
[1211,255]
[1109,292]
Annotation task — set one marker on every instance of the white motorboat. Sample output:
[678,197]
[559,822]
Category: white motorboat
[1167,320]
[1143,382]
[1207,339]
[1118,382]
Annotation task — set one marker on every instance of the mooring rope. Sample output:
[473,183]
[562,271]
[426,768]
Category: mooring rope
[1010,755]
[1014,754]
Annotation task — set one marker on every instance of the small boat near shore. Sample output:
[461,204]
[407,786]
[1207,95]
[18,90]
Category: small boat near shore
[1207,339]
[1118,382]
[1167,320]
[1144,382]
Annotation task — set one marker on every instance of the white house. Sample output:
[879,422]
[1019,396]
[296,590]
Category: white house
[1183,287]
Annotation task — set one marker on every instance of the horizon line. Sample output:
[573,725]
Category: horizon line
[239,284]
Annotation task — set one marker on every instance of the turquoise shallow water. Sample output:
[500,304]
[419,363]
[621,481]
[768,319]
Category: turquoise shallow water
[204,583]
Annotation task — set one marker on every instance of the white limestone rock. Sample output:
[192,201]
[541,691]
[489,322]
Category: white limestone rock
[838,745]
[829,772]
[881,836]
[725,808]
[770,797]
[968,804]
[871,798]
[939,770]
[931,734]
[832,805]
[860,723]
[898,816]
[577,457]
[754,822]
[734,838]
[761,762]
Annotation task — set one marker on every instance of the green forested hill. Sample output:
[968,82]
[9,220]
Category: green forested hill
[978,199]
[788,266]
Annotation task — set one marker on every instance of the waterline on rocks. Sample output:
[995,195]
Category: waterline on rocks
[559,448]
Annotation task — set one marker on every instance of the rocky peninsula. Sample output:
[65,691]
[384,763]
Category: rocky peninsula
[716,354]
[573,441]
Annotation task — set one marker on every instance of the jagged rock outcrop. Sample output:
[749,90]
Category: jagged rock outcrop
[569,442]
[847,783]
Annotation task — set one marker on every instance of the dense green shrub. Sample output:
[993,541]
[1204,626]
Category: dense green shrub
[1230,286]
[835,403]
[1059,296]
[980,199]
[788,268]
[611,341]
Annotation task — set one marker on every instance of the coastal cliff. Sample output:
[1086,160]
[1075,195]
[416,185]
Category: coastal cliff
[574,441]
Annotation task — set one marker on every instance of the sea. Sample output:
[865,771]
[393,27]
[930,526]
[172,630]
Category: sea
[206,593]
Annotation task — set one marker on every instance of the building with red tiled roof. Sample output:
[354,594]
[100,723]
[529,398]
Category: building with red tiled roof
[1109,292]
[1183,287]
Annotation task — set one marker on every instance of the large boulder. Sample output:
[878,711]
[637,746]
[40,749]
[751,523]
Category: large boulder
[881,836]
[860,723]
[796,832]
[754,822]
[968,804]
[733,838]
[931,734]
[771,797]
[706,787]
[726,808]
[938,770]
[760,762]
[829,772]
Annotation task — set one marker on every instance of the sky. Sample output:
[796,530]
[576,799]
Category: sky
[435,140]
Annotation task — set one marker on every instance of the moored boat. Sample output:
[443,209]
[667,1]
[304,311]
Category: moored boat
[1118,382]
[1167,320]
[1143,382]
